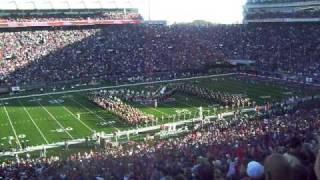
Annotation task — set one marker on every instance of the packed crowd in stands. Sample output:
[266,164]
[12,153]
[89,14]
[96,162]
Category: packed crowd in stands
[100,16]
[122,110]
[270,15]
[282,145]
[275,1]
[55,55]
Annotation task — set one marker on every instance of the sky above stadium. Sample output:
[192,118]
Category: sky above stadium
[216,11]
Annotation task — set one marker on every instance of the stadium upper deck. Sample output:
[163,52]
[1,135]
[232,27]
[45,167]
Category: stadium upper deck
[21,13]
[276,1]
[282,11]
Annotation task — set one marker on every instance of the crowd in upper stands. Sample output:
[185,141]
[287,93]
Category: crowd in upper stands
[271,15]
[50,18]
[54,55]
[274,1]
[281,145]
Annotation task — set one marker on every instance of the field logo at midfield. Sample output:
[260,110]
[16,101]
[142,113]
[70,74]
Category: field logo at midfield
[265,97]
[107,123]
[180,111]
[60,130]
[240,95]
[287,93]
[11,138]
[35,100]
[22,136]
[66,96]
[56,101]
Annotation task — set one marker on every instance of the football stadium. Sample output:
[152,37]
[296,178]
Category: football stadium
[93,89]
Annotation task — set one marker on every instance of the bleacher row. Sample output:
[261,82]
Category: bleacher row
[50,55]
[275,1]
[282,145]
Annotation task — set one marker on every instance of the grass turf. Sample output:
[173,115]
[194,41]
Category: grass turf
[35,121]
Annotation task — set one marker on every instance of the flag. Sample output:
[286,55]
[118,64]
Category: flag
[162,91]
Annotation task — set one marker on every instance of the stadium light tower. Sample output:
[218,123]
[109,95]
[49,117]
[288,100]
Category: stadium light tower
[130,6]
[68,3]
[115,4]
[100,4]
[84,4]
[34,4]
[15,3]
[149,10]
[51,4]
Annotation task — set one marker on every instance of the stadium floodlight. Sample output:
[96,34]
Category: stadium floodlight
[68,3]
[130,4]
[100,4]
[15,3]
[34,4]
[84,4]
[115,4]
[149,10]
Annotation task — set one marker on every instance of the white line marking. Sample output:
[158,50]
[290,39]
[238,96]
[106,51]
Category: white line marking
[182,96]
[45,139]
[91,112]
[74,116]
[14,131]
[64,129]
[155,109]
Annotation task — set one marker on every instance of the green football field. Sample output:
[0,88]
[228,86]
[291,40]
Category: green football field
[47,119]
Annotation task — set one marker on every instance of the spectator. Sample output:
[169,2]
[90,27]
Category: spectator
[317,166]
[294,152]
[276,167]
[255,170]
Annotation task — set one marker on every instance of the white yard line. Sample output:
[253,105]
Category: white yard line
[160,111]
[64,129]
[155,109]
[182,96]
[14,131]
[84,124]
[34,123]
[92,112]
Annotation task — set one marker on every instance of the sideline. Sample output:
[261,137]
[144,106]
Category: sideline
[74,116]
[121,133]
[117,86]
[34,123]
[64,129]
[13,129]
